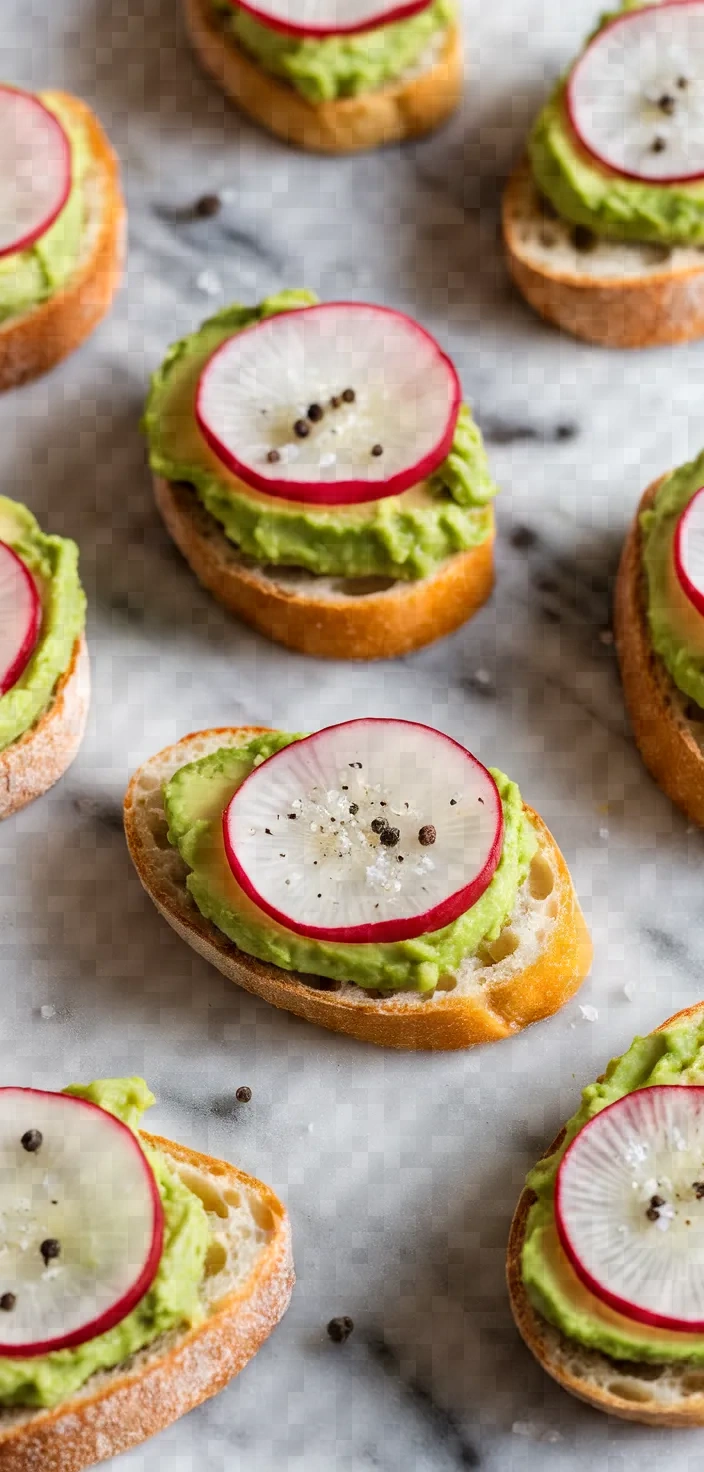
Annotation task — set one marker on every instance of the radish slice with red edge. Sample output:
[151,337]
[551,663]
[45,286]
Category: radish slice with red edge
[629,1206]
[330,17]
[81,1222]
[35,169]
[688,551]
[20,617]
[373,830]
[332,405]
[636,96]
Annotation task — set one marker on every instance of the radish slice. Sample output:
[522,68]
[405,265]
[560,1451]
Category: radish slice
[35,169]
[367,831]
[81,1222]
[688,551]
[636,95]
[330,17]
[332,404]
[20,617]
[629,1206]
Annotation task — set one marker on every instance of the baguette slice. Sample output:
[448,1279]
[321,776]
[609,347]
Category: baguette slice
[247,1288]
[33,763]
[404,109]
[36,340]
[539,960]
[673,1397]
[617,294]
[668,728]
[335,618]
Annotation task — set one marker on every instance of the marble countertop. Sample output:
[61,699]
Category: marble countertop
[400,1172]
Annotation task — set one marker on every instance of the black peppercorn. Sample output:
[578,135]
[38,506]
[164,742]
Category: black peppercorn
[273,457]
[208,205]
[50,1249]
[7,1302]
[340,1329]
[377,450]
[315,413]
[301,428]
[389,837]
[349,395]
[379,824]
[243,1094]
[31,1140]
[427,835]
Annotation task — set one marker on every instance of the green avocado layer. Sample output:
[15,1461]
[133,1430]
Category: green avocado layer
[406,536]
[31,276]
[672,1057]
[683,663]
[607,203]
[194,801]
[53,561]
[173,1299]
[339,66]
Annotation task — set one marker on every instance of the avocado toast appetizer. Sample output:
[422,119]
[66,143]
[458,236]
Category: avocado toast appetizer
[334,78]
[317,468]
[137,1278]
[62,231]
[659,629]
[610,1306]
[604,220]
[44,669]
[413,902]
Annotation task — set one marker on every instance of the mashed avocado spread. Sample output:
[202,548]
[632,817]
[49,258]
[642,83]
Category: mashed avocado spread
[584,191]
[31,276]
[53,561]
[405,536]
[672,1057]
[172,1298]
[194,801]
[676,629]
[323,69]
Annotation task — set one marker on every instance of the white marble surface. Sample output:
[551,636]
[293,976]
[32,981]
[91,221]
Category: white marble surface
[400,1172]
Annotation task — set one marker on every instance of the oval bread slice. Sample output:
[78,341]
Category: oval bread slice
[33,763]
[667,728]
[672,1397]
[614,293]
[247,1288]
[35,340]
[334,618]
[538,962]
[404,109]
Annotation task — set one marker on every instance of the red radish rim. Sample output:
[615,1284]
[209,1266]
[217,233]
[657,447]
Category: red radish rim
[24,654]
[613,1300]
[386,18]
[342,492]
[118,1311]
[620,20]
[29,238]
[694,594]
[384,930]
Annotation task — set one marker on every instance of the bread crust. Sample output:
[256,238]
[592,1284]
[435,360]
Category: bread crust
[381,625]
[447,1021]
[33,763]
[404,109]
[656,707]
[657,308]
[109,1416]
[537,1334]
[36,340]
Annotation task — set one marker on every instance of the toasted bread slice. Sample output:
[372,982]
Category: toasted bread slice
[335,618]
[538,961]
[35,340]
[669,730]
[667,1395]
[33,763]
[614,293]
[405,109]
[246,1290]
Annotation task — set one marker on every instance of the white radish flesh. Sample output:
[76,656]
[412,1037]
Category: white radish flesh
[81,1222]
[629,1206]
[330,17]
[333,404]
[20,617]
[636,96]
[688,549]
[371,830]
[35,169]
